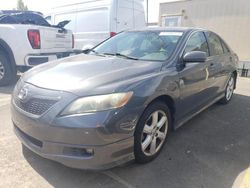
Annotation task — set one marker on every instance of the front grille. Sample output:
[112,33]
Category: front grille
[35,106]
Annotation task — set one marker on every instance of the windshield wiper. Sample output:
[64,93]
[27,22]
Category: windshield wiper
[95,52]
[121,55]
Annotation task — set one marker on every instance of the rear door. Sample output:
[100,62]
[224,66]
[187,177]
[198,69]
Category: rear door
[92,26]
[125,15]
[217,61]
[139,14]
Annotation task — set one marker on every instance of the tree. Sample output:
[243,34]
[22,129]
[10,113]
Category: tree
[21,6]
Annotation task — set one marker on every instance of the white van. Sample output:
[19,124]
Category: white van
[93,21]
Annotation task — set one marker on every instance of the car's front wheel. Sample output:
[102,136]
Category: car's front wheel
[229,90]
[151,132]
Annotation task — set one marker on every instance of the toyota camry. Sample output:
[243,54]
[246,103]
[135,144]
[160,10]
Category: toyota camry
[120,101]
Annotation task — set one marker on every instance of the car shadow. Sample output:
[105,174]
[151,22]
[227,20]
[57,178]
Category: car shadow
[210,150]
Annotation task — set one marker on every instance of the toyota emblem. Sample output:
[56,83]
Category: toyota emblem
[23,93]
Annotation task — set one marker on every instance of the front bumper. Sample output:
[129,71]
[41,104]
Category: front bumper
[68,145]
[103,157]
[98,140]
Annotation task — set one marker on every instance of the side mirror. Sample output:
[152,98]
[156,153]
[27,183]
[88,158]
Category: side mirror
[195,57]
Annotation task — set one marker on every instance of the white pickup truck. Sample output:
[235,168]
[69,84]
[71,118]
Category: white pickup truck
[26,40]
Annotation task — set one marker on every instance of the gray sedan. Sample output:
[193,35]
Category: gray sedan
[120,101]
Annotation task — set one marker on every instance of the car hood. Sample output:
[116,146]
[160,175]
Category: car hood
[88,74]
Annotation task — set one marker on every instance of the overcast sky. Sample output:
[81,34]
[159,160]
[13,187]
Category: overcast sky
[45,6]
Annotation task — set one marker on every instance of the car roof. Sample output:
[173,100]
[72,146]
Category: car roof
[176,29]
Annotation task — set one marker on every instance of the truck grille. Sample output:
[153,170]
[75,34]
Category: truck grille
[35,106]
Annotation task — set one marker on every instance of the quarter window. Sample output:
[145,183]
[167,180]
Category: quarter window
[215,44]
[197,42]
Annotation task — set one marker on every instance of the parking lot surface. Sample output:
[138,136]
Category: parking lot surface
[212,150]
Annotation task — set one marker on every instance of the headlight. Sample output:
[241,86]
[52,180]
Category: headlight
[97,103]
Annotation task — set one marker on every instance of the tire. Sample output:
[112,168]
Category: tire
[7,75]
[143,134]
[228,94]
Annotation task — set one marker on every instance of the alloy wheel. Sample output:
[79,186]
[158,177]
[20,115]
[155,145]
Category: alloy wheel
[154,133]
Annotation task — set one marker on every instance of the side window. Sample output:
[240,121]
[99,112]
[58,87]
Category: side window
[215,44]
[197,42]
[225,47]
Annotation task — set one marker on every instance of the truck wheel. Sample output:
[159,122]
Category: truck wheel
[151,132]
[7,75]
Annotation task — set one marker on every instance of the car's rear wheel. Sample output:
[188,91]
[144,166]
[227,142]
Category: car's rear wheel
[7,75]
[151,132]
[229,90]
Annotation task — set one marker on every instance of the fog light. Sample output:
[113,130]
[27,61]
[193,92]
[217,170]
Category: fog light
[78,152]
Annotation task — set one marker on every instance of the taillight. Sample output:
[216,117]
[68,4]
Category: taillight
[34,38]
[73,41]
[112,34]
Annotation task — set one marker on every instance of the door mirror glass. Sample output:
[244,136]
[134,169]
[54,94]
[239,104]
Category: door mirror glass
[195,57]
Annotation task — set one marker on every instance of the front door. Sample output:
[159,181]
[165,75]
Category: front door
[194,78]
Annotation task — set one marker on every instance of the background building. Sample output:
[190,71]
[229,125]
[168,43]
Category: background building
[229,18]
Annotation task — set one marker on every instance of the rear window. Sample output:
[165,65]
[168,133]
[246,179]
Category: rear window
[23,18]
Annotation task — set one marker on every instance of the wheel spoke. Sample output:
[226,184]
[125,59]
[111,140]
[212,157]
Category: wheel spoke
[161,122]
[161,135]
[146,142]
[154,118]
[231,82]
[230,88]
[153,146]
[148,129]
[1,70]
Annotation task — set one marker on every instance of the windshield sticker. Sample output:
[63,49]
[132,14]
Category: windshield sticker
[171,33]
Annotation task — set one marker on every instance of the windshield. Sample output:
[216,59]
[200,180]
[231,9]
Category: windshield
[148,45]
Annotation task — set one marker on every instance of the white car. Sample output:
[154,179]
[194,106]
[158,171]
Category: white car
[27,39]
[93,21]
